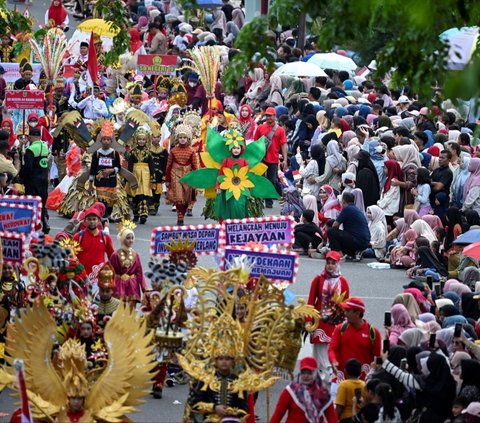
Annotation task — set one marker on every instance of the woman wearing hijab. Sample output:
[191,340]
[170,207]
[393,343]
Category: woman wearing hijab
[411,337]
[428,264]
[275,96]
[247,122]
[313,171]
[471,189]
[423,230]
[58,14]
[450,316]
[7,126]
[473,219]
[377,226]
[367,179]
[330,207]
[433,221]
[403,256]
[136,45]
[470,375]
[336,162]
[238,18]
[409,159]
[306,399]
[455,364]
[408,300]
[310,203]
[460,176]
[452,285]
[401,322]
[434,392]
[423,301]
[390,198]
[453,219]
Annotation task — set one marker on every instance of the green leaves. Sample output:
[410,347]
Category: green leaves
[263,187]
[254,152]
[201,178]
[216,146]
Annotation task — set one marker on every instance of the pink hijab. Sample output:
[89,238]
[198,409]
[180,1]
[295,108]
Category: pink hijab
[332,207]
[433,221]
[310,202]
[410,216]
[401,322]
[474,178]
[452,285]
[409,237]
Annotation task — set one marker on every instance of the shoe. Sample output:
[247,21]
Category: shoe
[170,382]
[143,220]
[189,212]
[179,222]
[157,392]
[135,219]
[174,209]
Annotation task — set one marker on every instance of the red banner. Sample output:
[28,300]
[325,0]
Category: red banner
[24,99]
[156,64]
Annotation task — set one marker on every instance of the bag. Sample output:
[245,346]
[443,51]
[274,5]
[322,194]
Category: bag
[416,415]
[269,137]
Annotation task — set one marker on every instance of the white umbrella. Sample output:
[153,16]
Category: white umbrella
[333,61]
[299,69]
[462,43]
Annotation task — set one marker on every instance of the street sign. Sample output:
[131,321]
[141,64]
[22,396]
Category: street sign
[25,99]
[156,64]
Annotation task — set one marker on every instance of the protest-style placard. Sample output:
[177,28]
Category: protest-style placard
[28,200]
[269,230]
[274,265]
[12,72]
[13,247]
[206,237]
[156,64]
[16,218]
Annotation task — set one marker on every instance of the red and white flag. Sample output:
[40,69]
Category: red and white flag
[26,415]
[92,63]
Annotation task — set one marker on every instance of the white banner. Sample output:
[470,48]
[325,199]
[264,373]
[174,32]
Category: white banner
[12,73]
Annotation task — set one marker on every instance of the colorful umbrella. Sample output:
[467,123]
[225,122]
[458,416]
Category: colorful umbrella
[469,237]
[300,69]
[206,4]
[99,27]
[472,250]
[333,61]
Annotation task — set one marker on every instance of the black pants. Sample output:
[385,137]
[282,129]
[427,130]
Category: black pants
[344,241]
[40,188]
[303,240]
[272,175]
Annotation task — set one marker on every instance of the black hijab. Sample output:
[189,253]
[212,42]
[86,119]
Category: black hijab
[453,217]
[470,373]
[472,217]
[428,259]
[318,154]
[367,179]
[470,306]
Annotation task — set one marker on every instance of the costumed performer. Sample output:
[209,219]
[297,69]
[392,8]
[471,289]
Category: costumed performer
[140,163]
[182,159]
[129,280]
[104,168]
[159,157]
[106,303]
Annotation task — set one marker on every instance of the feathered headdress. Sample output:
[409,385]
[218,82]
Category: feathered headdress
[207,64]
[107,130]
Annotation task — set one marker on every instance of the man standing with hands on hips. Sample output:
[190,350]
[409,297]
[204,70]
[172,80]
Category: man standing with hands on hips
[275,141]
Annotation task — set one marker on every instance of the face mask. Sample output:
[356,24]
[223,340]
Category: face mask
[33,124]
[192,84]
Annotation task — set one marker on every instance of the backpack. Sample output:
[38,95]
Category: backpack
[371,331]
[82,233]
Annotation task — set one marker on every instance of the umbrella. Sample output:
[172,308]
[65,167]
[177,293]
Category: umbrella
[472,250]
[469,237]
[299,69]
[333,61]
[98,26]
[205,4]
[462,43]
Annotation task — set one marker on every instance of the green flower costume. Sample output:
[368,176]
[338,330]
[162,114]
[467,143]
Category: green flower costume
[240,179]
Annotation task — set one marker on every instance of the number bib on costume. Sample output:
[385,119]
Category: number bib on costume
[105,161]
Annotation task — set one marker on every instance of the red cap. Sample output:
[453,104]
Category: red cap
[92,210]
[270,111]
[354,303]
[308,363]
[334,255]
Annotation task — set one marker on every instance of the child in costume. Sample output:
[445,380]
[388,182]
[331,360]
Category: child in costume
[181,160]
[229,207]
[129,280]
[104,168]
[106,303]
[159,158]
[140,163]
[12,291]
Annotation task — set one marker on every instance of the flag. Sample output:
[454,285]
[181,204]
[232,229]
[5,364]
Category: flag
[92,64]
[26,415]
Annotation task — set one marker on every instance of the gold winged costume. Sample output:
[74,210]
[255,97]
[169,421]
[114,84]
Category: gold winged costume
[109,396]
[266,343]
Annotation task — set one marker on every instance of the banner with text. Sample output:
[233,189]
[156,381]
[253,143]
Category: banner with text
[17,218]
[156,64]
[206,237]
[274,265]
[27,200]
[25,99]
[277,230]
[12,74]
[13,247]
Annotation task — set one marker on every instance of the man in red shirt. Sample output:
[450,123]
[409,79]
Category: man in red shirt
[275,141]
[94,243]
[355,338]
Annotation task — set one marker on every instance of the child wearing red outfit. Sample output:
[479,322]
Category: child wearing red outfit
[326,292]
[306,399]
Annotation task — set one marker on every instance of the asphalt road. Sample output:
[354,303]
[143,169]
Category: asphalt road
[376,287]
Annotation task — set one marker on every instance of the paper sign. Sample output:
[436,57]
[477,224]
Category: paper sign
[25,99]
[276,230]
[156,64]
[274,265]
[17,218]
[27,200]
[13,247]
[12,74]
[206,237]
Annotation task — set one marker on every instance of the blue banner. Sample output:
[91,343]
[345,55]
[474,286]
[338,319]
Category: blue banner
[207,239]
[16,219]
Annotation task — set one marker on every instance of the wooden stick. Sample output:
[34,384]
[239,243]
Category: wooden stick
[268,404]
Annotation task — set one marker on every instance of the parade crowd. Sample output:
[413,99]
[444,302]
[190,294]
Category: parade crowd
[367,172]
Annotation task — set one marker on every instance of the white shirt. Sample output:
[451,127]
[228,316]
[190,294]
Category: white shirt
[93,108]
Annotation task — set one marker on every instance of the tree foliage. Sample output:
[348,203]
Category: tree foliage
[114,11]
[12,21]
[400,34]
